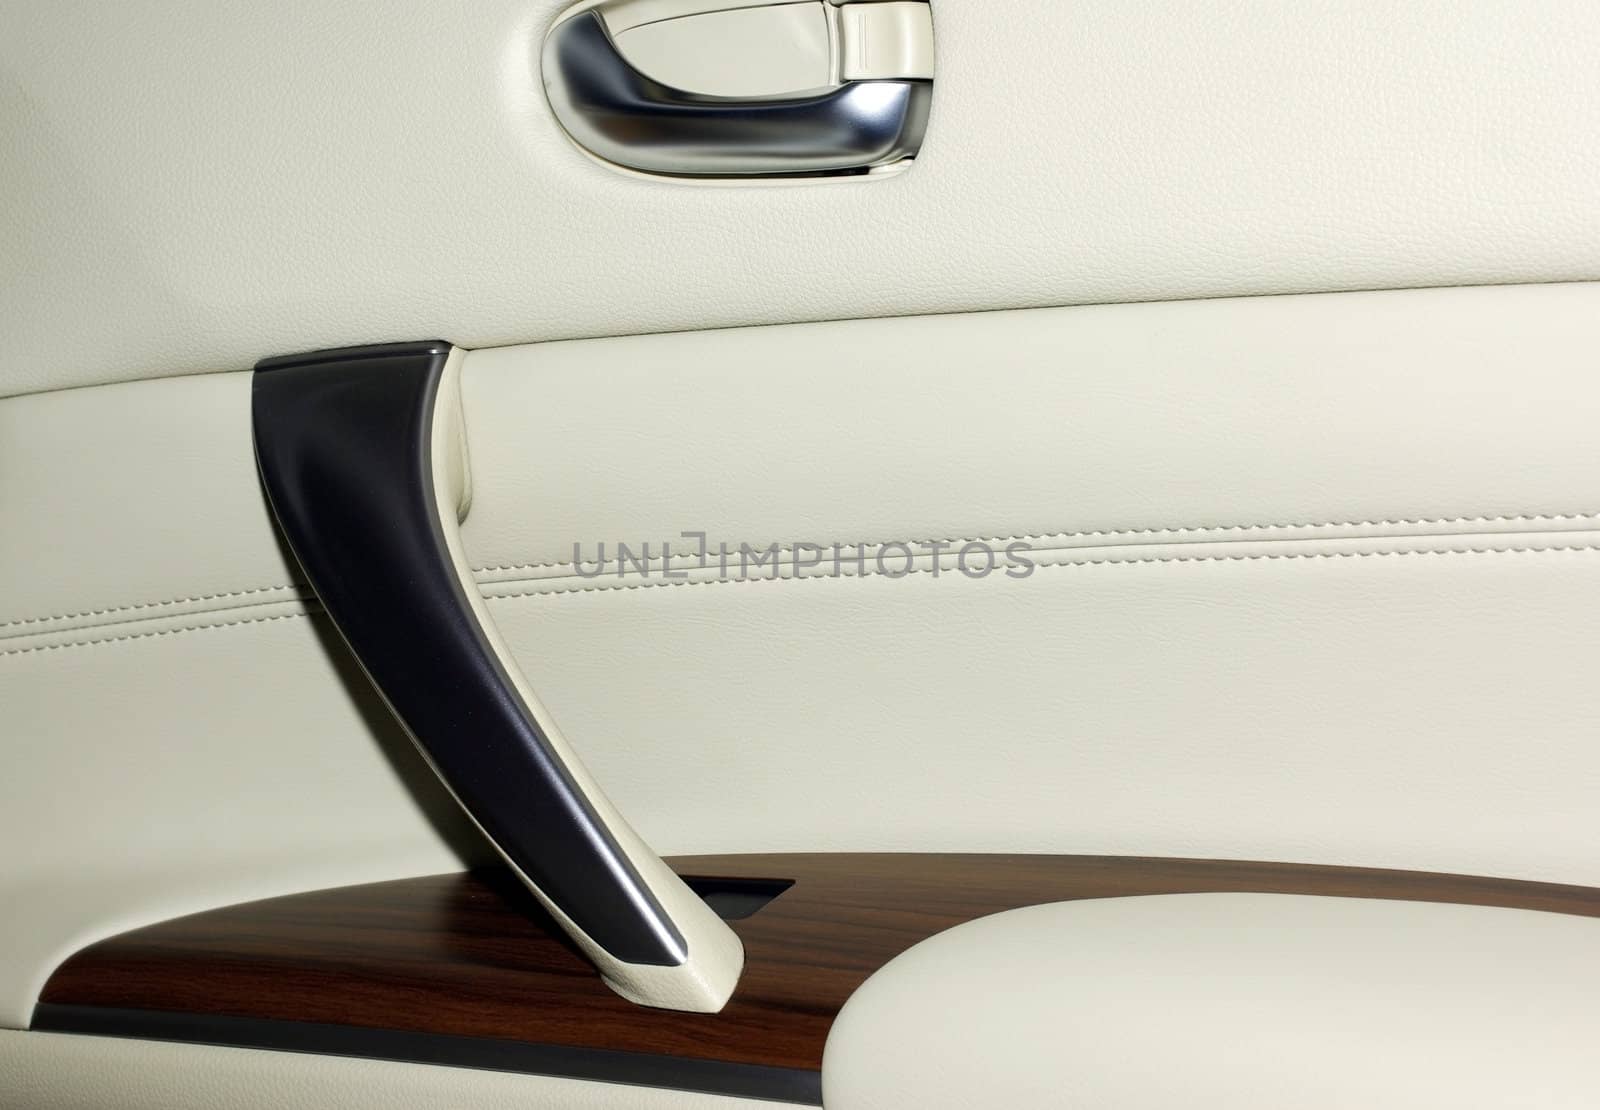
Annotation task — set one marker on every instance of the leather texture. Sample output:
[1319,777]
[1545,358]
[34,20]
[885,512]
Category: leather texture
[51,1071]
[186,202]
[1312,576]
[1229,1002]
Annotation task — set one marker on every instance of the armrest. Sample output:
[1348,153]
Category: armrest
[1236,1001]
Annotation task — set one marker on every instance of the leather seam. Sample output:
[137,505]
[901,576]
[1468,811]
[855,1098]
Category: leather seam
[197,599]
[149,635]
[114,609]
[1064,564]
[1068,563]
[1176,530]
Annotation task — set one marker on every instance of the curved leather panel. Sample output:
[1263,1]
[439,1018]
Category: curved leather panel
[1229,1002]
[196,215]
[1371,650]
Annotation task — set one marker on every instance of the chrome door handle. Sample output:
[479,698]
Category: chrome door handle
[622,116]
[363,455]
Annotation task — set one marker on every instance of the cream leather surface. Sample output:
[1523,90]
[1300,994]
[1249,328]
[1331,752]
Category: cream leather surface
[47,1071]
[1229,1002]
[189,188]
[1312,576]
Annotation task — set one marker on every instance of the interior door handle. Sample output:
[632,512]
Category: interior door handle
[625,117]
[362,452]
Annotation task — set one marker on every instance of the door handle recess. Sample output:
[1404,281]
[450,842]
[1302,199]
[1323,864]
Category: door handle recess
[622,116]
[363,455]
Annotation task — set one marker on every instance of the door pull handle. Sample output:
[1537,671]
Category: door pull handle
[363,456]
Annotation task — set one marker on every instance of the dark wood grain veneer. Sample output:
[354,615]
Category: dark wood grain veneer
[471,958]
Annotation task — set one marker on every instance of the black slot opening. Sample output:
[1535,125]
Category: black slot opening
[736,899]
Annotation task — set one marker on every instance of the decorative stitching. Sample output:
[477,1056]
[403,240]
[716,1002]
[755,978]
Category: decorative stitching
[146,605]
[1069,563]
[147,635]
[1532,518]
[914,570]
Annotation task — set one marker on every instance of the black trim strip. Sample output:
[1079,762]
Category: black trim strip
[343,439]
[635,1069]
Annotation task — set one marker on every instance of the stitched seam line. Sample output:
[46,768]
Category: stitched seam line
[1067,564]
[1180,530]
[1532,518]
[149,635]
[147,605]
[825,578]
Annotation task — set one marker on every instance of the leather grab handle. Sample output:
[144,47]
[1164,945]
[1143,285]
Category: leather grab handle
[362,453]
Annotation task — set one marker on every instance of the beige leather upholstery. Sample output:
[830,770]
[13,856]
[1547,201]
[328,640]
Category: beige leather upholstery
[1229,1002]
[48,1071]
[1311,581]
[192,187]
[1313,573]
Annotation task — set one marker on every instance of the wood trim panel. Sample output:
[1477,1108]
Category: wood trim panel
[471,957]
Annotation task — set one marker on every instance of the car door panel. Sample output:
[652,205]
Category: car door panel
[1192,655]
[1248,349]
[195,215]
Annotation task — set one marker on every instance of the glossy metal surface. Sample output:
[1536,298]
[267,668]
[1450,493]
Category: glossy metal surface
[617,113]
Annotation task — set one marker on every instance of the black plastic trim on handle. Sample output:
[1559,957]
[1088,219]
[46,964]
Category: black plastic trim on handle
[343,441]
